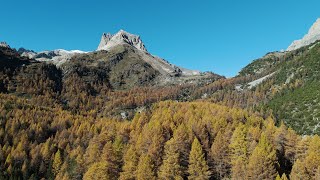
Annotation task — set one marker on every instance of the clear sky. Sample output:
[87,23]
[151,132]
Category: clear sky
[208,35]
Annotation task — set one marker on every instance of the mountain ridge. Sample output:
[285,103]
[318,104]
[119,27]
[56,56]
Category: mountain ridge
[312,36]
[108,41]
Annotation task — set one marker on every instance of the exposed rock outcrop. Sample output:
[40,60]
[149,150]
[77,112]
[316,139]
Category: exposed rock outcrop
[312,36]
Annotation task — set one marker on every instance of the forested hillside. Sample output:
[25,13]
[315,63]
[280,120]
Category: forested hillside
[172,141]
[105,115]
[284,84]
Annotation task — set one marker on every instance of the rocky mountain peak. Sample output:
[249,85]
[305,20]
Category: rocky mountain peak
[122,37]
[4,45]
[312,36]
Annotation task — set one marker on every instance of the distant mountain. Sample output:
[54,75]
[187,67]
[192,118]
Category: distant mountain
[122,37]
[312,36]
[108,42]
[4,45]
[124,77]
[127,67]
[57,57]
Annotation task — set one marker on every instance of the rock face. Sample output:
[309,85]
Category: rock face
[4,45]
[57,57]
[108,41]
[122,38]
[312,36]
[27,53]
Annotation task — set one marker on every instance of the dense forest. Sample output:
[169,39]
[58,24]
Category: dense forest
[83,121]
[174,140]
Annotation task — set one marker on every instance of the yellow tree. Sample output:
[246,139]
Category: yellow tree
[145,168]
[183,140]
[283,177]
[112,154]
[57,162]
[170,168]
[130,164]
[198,168]
[220,156]
[312,160]
[262,161]
[238,152]
[97,171]
[298,171]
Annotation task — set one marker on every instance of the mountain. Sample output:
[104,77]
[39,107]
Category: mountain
[312,36]
[10,58]
[57,57]
[122,37]
[127,64]
[127,67]
[109,42]
[122,113]
[4,45]
[127,78]
[284,85]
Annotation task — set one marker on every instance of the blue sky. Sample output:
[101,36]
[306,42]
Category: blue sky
[208,35]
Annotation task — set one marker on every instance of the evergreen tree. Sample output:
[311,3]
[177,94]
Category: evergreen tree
[262,161]
[57,162]
[98,171]
[284,177]
[93,151]
[312,160]
[183,143]
[220,156]
[198,168]
[170,168]
[112,154]
[130,164]
[298,171]
[302,147]
[317,176]
[145,168]
[238,152]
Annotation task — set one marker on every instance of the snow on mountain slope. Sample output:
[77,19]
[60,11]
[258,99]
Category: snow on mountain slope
[312,36]
[108,42]
[57,57]
[4,44]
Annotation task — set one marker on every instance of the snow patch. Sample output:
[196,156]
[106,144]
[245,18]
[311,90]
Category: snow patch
[57,57]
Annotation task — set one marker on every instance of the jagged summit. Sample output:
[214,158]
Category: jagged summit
[312,36]
[122,37]
[4,44]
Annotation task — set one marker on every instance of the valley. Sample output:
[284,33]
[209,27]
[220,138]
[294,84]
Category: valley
[120,112]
